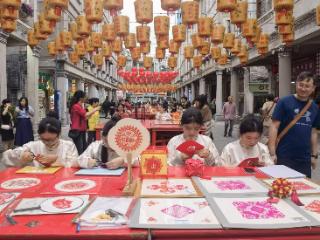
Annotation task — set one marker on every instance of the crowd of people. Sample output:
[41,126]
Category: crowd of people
[285,133]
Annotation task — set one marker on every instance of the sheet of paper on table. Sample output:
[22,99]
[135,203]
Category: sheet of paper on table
[41,205]
[281,171]
[6,198]
[38,170]
[311,207]
[106,212]
[99,171]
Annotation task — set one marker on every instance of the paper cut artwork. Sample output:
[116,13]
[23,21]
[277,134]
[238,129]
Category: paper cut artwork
[20,183]
[311,206]
[170,187]
[6,198]
[61,204]
[231,185]
[257,210]
[75,185]
[176,211]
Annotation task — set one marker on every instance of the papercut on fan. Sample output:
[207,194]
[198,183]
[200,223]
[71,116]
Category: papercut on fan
[190,147]
[250,162]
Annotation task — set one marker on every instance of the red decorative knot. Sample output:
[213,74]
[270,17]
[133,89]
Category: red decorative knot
[128,138]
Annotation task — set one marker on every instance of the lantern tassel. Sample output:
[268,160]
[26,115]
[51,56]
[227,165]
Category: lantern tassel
[271,198]
[295,198]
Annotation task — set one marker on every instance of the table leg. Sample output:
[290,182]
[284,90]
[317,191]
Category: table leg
[153,137]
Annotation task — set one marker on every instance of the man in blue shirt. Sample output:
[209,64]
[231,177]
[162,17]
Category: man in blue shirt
[298,147]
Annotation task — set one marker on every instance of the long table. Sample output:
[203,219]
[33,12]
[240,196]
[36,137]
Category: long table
[60,227]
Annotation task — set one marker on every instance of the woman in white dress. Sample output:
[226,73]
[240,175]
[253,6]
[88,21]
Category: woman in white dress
[162,114]
[247,146]
[50,150]
[191,122]
[99,152]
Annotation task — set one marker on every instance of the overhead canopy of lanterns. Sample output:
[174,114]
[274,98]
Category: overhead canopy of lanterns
[210,40]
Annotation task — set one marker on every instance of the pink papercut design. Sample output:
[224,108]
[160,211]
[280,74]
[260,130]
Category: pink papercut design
[152,219]
[151,203]
[301,186]
[314,206]
[231,185]
[62,203]
[257,210]
[177,211]
[202,204]
[167,187]
[5,197]
[74,186]
[21,183]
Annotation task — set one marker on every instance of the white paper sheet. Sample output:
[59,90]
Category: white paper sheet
[281,171]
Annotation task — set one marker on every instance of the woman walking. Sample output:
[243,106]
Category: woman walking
[6,116]
[24,132]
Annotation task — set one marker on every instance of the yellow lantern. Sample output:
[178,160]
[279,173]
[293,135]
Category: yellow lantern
[256,37]
[8,25]
[113,6]
[143,33]
[223,60]
[98,60]
[262,51]
[52,48]
[66,39]
[80,49]
[170,5]
[8,13]
[217,33]
[44,25]
[121,25]
[37,32]
[204,26]
[160,53]
[197,41]
[144,11]
[188,52]
[108,32]
[93,10]
[226,5]
[161,25]
[263,41]
[318,15]
[163,42]
[172,62]
[236,46]
[32,41]
[74,32]
[130,41]
[244,59]
[228,41]
[122,61]
[106,50]
[239,15]
[74,58]
[288,38]
[174,47]
[284,17]
[117,46]
[179,33]
[83,26]
[147,62]
[96,40]
[11,3]
[50,14]
[145,47]
[285,29]
[58,43]
[190,12]
[205,49]
[215,53]
[62,4]
[135,53]
[88,45]
[249,28]
[283,5]
[197,61]
[243,51]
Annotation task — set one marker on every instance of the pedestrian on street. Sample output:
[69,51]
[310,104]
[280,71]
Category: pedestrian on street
[106,106]
[93,120]
[203,106]
[267,111]
[229,114]
[184,102]
[24,131]
[293,138]
[7,124]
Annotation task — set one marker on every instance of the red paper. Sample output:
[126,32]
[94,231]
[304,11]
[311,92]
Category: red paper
[250,162]
[190,147]
[194,167]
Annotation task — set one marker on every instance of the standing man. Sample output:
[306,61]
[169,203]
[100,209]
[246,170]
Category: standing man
[267,111]
[293,137]
[229,114]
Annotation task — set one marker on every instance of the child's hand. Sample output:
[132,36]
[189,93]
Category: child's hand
[115,163]
[46,160]
[203,153]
